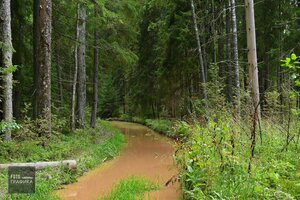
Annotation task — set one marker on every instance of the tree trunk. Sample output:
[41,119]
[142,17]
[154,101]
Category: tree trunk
[214,32]
[228,53]
[59,78]
[237,100]
[81,90]
[201,62]
[7,51]
[73,117]
[96,73]
[252,59]
[36,41]
[44,67]
[1,78]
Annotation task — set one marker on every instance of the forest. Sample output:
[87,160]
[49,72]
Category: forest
[218,80]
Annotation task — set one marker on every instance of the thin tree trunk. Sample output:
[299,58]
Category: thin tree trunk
[228,53]
[73,112]
[236,60]
[44,65]
[96,73]
[201,63]
[81,90]
[252,59]
[1,78]
[59,79]
[17,94]
[36,41]
[214,32]
[7,51]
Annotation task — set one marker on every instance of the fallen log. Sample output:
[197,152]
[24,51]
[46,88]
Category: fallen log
[71,164]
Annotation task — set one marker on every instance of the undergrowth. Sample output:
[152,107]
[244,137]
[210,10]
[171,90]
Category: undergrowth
[215,158]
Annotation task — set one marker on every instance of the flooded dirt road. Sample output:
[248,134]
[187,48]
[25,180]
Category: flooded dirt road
[147,154]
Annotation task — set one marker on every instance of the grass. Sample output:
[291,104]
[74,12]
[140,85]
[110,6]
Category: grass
[89,147]
[133,188]
[213,168]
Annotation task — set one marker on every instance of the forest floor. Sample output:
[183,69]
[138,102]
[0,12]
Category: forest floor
[147,155]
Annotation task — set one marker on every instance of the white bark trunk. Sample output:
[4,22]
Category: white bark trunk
[59,78]
[5,18]
[73,117]
[236,60]
[228,51]
[252,58]
[96,72]
[71,164]
[201,62]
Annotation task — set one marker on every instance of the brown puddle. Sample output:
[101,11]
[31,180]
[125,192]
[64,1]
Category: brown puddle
[147,154]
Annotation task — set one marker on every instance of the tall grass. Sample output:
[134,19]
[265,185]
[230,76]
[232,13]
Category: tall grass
[214,162]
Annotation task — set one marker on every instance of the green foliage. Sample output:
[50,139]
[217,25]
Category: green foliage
[181,130]
[272,103]
[9,69]
[160,125]
[133,188]
[215,158]
[293,65]
[109,96]
[4,126]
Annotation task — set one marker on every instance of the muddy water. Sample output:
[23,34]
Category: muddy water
[147,154]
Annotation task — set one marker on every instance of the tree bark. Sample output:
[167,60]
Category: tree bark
[81,90]
[44,66]
[35,41]
[59,78]
[252,59]
[200,55]
[214,32]
[73,114]
[236,60]
[7,52]
[96,73]
[228,53]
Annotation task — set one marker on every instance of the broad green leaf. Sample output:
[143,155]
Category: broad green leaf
[8,70]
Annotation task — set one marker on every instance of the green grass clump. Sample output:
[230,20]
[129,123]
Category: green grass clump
[89,147]
[160,125]
[133,188]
